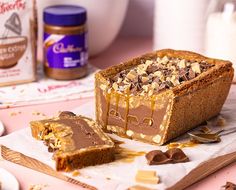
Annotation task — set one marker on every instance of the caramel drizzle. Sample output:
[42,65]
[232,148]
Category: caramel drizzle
[117,102]
[127,111]
[126,119]
[181,144]
[125,155]
[153,102]
[108,97]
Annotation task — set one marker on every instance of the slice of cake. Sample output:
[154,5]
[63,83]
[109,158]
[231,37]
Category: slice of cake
[161,95]
[76,141]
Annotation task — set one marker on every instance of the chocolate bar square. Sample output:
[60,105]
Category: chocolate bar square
[76,141]
[161,95]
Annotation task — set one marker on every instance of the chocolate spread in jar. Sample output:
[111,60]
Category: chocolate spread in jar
[65,42]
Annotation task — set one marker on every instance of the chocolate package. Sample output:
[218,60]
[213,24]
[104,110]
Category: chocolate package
[17,41]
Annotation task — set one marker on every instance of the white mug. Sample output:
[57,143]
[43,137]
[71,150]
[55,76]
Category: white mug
[180,24]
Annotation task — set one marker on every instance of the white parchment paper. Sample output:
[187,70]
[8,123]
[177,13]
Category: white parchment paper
[122,175]
[46,90]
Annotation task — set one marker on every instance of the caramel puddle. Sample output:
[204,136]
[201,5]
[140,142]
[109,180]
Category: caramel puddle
[182,145]
[206,138]
[124,154]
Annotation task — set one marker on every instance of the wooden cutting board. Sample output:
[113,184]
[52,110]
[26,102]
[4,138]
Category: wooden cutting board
[194,176]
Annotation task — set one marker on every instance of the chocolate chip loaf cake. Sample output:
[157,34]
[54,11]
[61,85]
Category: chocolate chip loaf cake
[76,141]
[161,95]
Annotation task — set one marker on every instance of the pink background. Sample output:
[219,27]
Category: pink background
[122,49]
[134,38]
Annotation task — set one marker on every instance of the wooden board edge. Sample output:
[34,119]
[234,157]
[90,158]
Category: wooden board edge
[204,170]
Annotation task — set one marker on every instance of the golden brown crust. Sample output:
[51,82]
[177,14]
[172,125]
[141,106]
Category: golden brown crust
[214,72]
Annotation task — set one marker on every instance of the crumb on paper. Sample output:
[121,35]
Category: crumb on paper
[15,113]
[37,187]
[147,176]
[108,178]
[221,122]
[229,186]
[75,173]
[205,129]
[181,144]
[37,113]
[86,176]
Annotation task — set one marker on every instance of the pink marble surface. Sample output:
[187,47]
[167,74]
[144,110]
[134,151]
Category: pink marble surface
[18,118]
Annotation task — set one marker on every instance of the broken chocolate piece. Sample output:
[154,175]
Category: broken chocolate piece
[152,69]
[229,186]
[157,157]
[75,141]
[176,155]
[191,74]
[173,155]
[183,75]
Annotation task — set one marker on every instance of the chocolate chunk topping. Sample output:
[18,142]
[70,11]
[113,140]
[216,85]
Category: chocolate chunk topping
[152,69]
[191,74]
[174,155]
[229,186]
[165,72]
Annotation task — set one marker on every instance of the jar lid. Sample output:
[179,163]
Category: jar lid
[64,15]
